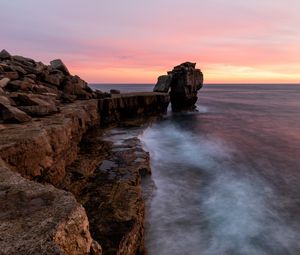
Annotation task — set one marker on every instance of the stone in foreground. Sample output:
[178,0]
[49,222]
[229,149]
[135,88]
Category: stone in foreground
[40,219]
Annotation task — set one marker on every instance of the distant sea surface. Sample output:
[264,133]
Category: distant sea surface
[227,178]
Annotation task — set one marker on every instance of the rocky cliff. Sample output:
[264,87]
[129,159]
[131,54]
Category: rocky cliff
[184,82]
[64,188]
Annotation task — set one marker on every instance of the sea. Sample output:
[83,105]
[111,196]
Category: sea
[226,177]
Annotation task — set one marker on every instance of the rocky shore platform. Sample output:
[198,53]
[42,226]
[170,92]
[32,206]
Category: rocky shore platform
[67,185]
[71,164]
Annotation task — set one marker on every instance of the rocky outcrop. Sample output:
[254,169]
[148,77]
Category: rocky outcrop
[163,84]
[40,219]
[50,141]
[9,113]
[40,150]
[184,81]
[26,76]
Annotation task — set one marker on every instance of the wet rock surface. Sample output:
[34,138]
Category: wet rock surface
[112,194]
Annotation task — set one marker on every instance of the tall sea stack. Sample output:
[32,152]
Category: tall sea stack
[183,81]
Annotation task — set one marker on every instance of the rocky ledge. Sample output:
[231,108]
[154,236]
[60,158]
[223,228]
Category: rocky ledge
[69,182]
[65,188]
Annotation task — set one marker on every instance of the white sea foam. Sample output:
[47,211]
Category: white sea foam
[206,203]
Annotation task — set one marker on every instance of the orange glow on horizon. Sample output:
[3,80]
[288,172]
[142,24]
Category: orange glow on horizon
[212,74]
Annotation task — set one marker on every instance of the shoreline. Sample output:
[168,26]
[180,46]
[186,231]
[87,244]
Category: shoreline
[65,188]
[65,150]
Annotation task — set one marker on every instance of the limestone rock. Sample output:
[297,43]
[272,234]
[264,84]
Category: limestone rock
[75,86]
[25,61]
[41,149]
[163,84]
[35,105]
[66,98]
[11,75]
[185,81]
[3,82]
[27,75]
[4,55]
[58,64]
[42,89]
[52,79]
[16,68]
[37,219]
[18,85]
[11,114]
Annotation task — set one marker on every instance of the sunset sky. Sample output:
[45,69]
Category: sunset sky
[124,41]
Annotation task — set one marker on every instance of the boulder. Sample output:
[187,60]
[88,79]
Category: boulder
[24,61]
[35,105]
[58,64]
[20,70]
[4,55]
[31,76]
[41,89]
[53,79]
[18,85]
[11,75]
[11,114]
[75,86]
[163,84]
[22,74]
[3,82]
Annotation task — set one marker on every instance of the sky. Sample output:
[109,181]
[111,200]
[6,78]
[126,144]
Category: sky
[135,41]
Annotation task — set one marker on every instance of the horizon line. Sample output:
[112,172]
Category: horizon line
[215,83]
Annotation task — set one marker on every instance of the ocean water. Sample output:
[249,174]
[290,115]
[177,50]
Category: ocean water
[227,178]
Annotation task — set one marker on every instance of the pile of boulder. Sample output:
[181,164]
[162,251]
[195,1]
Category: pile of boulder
[33,89]
[183,82]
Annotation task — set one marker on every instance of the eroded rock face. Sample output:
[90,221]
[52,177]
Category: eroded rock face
[58,64]
[125,106]
[112,193]
[184,82]
[35,105]
[9,113]
[163,84]
[41,150]
[37,219]
[41,141]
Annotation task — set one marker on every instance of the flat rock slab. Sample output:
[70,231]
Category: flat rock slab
[38,219]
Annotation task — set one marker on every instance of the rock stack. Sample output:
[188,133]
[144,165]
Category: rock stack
[184,82]
[32,89]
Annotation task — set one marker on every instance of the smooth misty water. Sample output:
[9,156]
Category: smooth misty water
[227,178]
